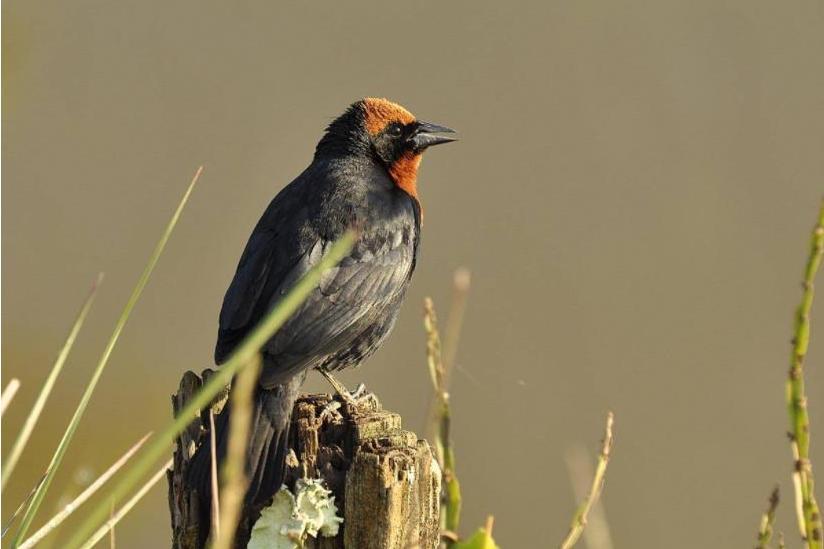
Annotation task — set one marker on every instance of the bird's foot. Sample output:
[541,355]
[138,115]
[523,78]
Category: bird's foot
[355,400]
[359,393]
[331,410]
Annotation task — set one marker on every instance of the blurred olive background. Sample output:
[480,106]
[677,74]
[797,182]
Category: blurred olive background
[633,193]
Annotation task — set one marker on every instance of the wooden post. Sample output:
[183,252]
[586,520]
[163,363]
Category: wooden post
[385,480]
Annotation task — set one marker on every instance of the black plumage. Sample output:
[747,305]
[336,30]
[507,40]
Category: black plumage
[362,176]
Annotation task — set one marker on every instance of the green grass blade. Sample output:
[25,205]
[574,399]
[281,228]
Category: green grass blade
[242,356]
[20,507]
[104,359]
[28,427]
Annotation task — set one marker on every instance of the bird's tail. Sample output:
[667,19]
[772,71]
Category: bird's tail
[266,450]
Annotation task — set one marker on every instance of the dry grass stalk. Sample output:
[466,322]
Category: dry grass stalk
[233,477]
[111,532]
[443,441]
[460,290]
[461,281]
[58,519]
[579,464]
[114,519]
[765,529]
[8,394]
[215,489]
[579,521]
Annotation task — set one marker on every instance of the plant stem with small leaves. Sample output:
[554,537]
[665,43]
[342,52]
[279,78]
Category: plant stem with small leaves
[443,442]
[809,514]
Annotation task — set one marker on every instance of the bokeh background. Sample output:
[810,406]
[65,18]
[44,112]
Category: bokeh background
[633,193]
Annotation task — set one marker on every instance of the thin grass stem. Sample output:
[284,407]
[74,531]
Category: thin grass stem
[460,290]
[101,532]
[488,524]
[461,281]
[597,534]
[443,439]
[111,531]
[233,477]
[215,510]
[58,519]
[20,507]
[28,426]
[579,521]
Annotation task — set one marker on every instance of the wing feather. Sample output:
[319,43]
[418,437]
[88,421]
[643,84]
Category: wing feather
[349,300]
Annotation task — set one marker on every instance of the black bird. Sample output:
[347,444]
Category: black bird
[363,175]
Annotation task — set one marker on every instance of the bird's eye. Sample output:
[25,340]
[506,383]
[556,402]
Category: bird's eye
[394,130]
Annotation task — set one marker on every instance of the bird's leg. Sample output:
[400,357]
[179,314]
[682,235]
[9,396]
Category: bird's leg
[351,398]
[342,391]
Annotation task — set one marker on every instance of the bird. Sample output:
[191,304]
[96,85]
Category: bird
[363,175]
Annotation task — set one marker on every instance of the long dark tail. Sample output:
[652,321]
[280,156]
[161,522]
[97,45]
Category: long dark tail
[266,451]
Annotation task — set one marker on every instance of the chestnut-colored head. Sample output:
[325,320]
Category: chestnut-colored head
[380,113]
[388,133]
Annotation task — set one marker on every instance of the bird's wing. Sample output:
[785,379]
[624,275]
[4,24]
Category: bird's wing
[272,251]
[348,300]
[349,297]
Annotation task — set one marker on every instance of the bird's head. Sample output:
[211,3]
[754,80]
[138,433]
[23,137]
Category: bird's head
[389,134]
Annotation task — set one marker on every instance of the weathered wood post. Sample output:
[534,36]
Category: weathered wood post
[385,480]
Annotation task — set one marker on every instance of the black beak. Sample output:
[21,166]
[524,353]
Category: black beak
[425,136]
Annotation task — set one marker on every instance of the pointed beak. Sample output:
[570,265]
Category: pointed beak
[426,135]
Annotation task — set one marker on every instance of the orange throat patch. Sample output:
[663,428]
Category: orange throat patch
[405,173]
